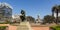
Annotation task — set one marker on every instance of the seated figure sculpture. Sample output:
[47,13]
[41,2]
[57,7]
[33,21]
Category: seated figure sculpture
[22,15]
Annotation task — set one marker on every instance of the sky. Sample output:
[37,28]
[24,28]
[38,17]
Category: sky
[32,7]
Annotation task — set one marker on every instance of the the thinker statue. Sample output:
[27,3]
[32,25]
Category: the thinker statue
[22,17]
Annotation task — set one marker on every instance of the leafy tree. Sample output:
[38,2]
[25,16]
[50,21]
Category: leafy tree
[30,19]
[48,19]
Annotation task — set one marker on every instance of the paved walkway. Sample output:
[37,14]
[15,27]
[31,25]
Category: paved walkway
[11,27]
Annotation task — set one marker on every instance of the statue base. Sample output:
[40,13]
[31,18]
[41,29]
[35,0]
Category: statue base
[24,26]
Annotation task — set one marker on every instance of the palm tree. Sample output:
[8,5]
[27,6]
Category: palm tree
[56,9]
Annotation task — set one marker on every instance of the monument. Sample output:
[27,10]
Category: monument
[24,24]
[22,17]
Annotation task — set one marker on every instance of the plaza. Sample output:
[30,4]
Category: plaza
[29,15]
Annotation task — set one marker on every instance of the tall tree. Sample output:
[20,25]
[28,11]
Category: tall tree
[56,9]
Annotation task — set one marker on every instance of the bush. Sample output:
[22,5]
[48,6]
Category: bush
[3,27]
[55,27]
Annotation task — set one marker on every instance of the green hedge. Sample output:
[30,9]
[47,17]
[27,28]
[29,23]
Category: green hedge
[55,27]
[3,27]
[4,23]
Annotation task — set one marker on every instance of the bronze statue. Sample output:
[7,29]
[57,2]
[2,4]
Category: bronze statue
[22,15]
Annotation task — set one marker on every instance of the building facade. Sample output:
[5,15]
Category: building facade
[5,12]
[16,18]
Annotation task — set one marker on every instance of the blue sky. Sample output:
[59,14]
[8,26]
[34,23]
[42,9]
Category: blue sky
[32,7]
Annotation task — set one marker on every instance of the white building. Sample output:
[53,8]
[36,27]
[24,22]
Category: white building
[55,14]
[16,18]
[38,20]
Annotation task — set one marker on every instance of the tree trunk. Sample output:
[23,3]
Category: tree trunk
[52,12]
[57,17]
[53,15]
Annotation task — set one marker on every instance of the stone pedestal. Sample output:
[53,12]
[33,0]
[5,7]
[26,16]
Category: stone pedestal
[24,26]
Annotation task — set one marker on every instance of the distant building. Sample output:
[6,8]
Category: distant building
[5,12]
[38,20]
[16,18]
[58,14]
